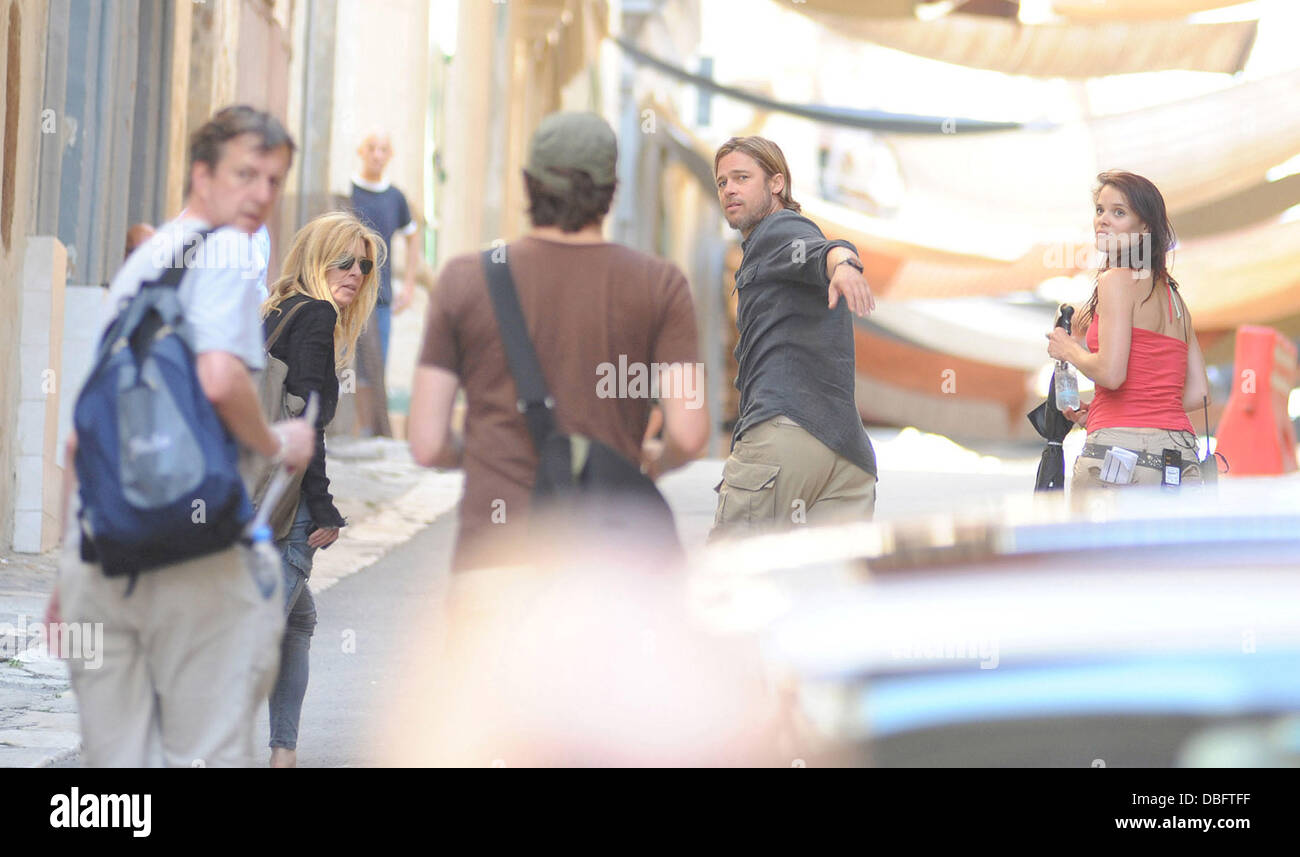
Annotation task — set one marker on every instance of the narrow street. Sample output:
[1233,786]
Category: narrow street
[368,626]
[388,608]
[372,623]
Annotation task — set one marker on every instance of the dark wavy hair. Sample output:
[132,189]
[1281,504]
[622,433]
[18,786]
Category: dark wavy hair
[585,203]
[1145,200]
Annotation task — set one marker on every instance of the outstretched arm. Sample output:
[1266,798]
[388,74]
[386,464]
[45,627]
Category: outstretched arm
[847,281]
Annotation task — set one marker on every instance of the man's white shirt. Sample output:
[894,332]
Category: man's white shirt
[220,293]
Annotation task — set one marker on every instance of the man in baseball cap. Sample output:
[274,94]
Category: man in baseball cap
[599,316]
[569,142]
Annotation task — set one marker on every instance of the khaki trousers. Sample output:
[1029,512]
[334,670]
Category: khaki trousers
[188,659]
[1087,470]
[779,477]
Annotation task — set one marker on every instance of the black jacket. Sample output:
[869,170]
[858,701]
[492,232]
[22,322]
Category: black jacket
[307,346]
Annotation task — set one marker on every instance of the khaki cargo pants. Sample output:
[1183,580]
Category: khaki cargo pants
[1087,470]
[185,663]
[779,477]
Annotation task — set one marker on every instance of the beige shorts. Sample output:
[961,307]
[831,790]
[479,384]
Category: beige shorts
[1087,469]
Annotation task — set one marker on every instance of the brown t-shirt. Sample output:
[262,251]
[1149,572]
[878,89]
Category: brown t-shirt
[585,305]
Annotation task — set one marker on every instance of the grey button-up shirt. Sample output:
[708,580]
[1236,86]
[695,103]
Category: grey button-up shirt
[795,355]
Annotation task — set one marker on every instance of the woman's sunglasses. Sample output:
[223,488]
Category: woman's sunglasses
[345,264]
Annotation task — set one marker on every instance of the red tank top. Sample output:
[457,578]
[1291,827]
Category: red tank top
[1152,393]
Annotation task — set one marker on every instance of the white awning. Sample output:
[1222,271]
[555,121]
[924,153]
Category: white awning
[1072,50]
[1135,10]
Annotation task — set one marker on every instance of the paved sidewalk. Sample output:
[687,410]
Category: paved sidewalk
[38,719]
[384,496]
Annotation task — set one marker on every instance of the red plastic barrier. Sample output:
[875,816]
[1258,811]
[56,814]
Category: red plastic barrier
[1255,433]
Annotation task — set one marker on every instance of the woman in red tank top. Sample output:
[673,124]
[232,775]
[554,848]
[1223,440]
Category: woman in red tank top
[1134,339]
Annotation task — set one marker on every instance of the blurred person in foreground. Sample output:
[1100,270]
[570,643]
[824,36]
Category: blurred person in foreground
[191,647]
[799,452]
[1135,340]
[589,306]
[564,663]
[324,294]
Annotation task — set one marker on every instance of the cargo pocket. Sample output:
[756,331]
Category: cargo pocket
[747,493]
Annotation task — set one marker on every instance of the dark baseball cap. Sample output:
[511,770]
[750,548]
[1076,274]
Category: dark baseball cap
[572,141]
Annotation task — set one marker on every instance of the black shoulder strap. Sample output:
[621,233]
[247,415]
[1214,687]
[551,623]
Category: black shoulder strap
[534,402]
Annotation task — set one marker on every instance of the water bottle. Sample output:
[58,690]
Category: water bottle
[264,560]
[1066,381]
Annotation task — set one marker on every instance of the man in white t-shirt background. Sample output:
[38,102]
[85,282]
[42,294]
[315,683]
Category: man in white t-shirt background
[382,207]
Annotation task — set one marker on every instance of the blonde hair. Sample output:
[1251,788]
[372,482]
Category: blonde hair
[318,246]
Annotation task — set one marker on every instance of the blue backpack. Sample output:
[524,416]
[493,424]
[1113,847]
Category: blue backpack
[158,471]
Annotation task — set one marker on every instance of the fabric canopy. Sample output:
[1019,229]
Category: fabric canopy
[1200,149]
[917,279]
[1135,10]
[1247,276]
[1070,50]
[873,9]
[987,331]
[1239,210]
[1196,151]
[1251,276]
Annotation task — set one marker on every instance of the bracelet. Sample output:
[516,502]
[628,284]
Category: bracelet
[853,263]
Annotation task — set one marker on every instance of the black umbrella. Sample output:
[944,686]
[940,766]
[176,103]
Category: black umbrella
[1053,425]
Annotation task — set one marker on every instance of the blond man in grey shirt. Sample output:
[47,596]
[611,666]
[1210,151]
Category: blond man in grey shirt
[799,452]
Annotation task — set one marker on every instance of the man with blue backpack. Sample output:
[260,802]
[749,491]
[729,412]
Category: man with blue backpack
[155,548]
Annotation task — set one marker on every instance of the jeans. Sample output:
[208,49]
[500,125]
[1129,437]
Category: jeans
[300,620]
[383,316]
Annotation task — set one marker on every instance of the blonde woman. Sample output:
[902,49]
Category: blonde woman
[332,268]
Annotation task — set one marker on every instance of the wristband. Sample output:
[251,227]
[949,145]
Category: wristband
[851,262]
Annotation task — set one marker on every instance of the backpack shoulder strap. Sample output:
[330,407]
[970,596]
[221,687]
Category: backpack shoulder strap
[279,328]
[171,276]
[534,401]
[137,305]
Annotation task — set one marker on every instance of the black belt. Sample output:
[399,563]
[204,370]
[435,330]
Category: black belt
[1145,459]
